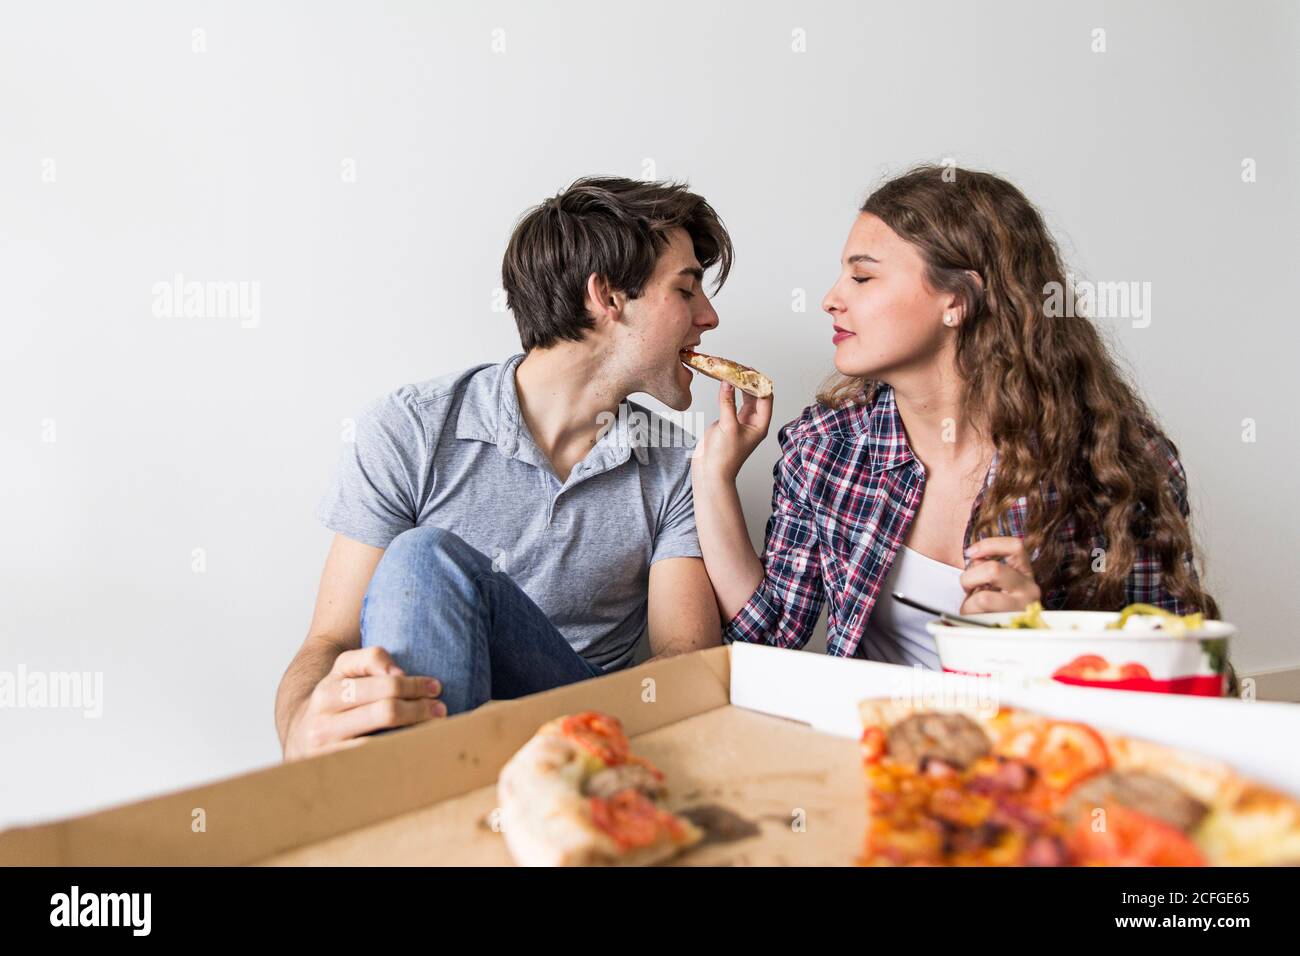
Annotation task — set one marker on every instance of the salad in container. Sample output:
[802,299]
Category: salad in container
[1142,647]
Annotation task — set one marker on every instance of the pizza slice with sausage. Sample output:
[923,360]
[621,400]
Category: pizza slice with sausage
[575,796]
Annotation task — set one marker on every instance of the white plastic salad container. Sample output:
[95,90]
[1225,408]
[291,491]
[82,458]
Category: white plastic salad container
[1077,648]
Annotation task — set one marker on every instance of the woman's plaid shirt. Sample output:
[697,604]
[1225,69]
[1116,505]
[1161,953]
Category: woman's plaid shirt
[846,490]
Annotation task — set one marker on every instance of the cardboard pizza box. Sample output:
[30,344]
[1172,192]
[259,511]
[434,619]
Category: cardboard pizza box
[762,742]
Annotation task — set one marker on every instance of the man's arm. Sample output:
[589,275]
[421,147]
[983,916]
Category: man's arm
[682,612]
[333,691]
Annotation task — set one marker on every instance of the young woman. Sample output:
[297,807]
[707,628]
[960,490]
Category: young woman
[975,452]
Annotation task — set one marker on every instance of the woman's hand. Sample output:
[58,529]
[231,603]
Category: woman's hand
[733,437]
[999,578]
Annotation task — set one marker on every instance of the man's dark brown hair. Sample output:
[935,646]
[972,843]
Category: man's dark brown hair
[611,226]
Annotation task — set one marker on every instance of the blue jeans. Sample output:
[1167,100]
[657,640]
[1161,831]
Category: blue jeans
[441,610]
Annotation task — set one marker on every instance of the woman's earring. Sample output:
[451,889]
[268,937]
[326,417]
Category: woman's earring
[949,319]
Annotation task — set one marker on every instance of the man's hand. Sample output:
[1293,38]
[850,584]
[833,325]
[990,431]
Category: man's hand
[999,578]
[364,692]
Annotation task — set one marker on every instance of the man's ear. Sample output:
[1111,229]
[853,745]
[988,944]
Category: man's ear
[603,302]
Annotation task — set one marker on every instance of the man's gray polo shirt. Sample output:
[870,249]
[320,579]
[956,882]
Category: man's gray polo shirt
[454,452]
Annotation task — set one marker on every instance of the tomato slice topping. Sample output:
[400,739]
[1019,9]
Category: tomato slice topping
[599,733]
[629,817]
[873,745]
[1068,752]
[1131,838]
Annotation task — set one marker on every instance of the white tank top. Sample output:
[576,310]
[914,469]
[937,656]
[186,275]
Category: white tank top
[895,633]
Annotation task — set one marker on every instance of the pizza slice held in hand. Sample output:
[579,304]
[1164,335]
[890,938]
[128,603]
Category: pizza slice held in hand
[733,373]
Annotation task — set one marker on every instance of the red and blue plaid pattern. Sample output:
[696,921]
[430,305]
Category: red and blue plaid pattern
[846,490]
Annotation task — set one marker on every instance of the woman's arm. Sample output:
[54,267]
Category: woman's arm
[776,600]
[734,568]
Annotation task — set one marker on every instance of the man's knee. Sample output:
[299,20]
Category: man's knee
[425,570]
[435,549]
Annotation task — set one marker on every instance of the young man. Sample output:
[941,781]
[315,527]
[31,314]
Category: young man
[504,530]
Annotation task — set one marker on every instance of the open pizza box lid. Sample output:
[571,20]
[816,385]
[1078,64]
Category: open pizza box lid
[763,742]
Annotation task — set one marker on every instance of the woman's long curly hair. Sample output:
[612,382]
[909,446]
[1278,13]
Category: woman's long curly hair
[1056,406]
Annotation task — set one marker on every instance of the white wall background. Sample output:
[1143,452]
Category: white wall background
[177,434]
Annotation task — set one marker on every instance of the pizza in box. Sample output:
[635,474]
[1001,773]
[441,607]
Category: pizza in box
[944,787]
[1013,788]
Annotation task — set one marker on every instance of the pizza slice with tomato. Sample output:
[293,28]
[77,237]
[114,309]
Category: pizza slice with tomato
[575,796]
[947,787]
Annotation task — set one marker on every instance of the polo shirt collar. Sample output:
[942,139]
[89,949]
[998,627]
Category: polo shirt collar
[490,412]
[628,434]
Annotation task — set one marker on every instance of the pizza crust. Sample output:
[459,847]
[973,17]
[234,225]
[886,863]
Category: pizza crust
[542,814]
